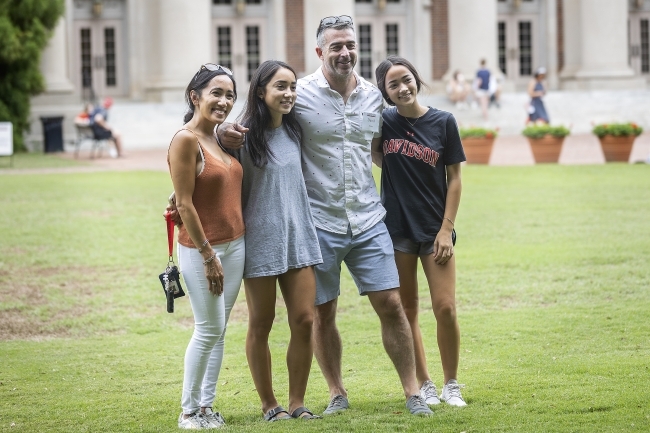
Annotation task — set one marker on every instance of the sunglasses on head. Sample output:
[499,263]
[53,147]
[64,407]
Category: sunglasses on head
[213,67]
[333,21]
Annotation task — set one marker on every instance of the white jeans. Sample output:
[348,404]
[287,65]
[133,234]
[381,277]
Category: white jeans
[204,353]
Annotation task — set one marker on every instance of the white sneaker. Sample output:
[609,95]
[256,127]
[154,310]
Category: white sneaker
[429,393]
[451,394]
[214,418]
[194,421]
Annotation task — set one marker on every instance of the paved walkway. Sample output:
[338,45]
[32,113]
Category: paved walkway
[508,150]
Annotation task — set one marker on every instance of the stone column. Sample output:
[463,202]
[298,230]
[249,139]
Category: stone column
[315,10]
[472,35]
[602,41]
[550,14]
[54,62]
[184,42]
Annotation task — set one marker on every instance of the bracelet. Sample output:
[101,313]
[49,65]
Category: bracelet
[209,259]
[205,242]
[449,219]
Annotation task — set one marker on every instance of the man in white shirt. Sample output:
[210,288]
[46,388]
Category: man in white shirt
[340,114]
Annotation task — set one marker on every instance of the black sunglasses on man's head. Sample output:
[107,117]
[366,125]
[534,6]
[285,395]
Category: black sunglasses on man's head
[333,21]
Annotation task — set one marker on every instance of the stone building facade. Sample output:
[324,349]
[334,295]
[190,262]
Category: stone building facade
[147,50]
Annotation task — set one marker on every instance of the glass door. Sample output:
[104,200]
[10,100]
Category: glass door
[99,60]
[517,46]
[378,37]
[239,46]
[639,43]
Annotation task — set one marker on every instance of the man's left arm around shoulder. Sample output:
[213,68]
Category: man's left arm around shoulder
[376,151]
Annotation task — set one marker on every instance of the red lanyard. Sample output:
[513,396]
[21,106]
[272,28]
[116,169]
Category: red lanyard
[170,233]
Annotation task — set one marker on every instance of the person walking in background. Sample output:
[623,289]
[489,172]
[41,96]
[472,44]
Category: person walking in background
[421,152]
[482,88]
[281,241]
[536,109]
[101,129]
[207,184]
[337,167]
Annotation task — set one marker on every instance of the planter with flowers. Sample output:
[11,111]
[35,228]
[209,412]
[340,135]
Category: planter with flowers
[546,141]
[616,139]
[477,144]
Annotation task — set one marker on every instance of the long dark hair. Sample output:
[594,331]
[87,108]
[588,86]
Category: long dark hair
[257,117]
[199,82]
[382,70]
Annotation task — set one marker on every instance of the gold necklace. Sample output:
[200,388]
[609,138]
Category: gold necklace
[416,120]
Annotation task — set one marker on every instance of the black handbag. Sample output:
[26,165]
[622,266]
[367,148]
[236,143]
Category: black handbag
[170,279]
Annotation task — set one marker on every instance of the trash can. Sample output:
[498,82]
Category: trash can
[52,133]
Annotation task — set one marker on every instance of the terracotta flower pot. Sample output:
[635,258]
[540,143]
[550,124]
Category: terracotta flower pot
[478,149]
[546,149]
[617,148]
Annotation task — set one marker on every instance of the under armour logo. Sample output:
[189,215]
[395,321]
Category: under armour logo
[410,133]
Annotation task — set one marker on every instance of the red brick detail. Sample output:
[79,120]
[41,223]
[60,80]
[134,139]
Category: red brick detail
[439,38]
[294,15]
[560,35]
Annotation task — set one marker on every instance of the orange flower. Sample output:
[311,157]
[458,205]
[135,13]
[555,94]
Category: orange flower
[489,135]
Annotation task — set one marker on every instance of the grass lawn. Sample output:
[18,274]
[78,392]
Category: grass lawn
[39,160]
[553,303]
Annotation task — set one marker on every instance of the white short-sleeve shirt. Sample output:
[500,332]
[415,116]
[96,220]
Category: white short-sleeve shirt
[336,158]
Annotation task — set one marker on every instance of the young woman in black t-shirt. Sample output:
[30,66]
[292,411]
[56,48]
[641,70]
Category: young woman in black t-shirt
[420,189]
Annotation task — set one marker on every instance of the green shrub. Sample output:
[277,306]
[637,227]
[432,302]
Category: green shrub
[25,28]
[617,129]
[539,131]
[477,132]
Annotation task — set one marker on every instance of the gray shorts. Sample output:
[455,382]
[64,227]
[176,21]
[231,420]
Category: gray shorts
[369,256]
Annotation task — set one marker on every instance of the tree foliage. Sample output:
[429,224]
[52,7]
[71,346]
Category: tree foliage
[25,28]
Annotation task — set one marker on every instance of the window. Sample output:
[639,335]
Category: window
[365,51]
[86,59]
[645,60]
[224,47]
[252,49]
[392,40]
[525,48]
[109,49]
[501,47]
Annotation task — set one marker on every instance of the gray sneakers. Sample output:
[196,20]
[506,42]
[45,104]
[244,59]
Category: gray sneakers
[417,406]
[214,418]
[338,404]
[429,393]
[194,421]
[451,394]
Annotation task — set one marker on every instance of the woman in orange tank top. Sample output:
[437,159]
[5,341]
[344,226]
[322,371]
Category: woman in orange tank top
[211,248]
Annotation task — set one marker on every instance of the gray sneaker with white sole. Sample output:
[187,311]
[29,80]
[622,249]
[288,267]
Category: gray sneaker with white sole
[417,406]
[338,404]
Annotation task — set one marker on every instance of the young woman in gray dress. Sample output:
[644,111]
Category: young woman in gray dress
[281,242]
